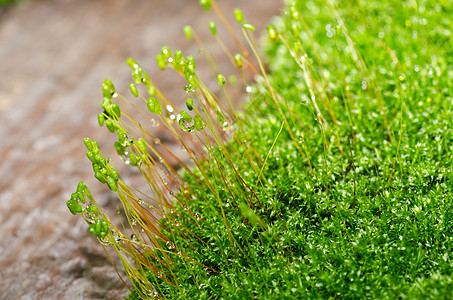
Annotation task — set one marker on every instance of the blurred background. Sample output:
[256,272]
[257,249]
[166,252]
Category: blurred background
[54,56]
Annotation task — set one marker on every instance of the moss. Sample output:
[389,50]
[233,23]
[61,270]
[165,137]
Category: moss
[336,181]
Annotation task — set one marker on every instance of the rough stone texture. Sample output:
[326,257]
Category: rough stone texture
[54,56]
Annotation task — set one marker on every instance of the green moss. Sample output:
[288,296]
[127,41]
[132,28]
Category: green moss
[350,227]
[337,181]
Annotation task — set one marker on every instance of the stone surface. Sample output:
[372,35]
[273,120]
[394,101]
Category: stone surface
[54,56]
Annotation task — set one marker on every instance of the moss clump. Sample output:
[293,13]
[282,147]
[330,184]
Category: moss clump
[336,181]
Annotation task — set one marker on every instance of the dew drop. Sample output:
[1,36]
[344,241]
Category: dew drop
[170,245]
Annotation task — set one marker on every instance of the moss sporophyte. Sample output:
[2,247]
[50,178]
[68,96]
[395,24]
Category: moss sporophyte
[333,181]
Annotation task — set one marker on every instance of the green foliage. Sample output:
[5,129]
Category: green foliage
[334,182]
[8,2]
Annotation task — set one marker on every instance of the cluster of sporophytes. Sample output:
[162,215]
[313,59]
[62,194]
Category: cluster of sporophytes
[335,181]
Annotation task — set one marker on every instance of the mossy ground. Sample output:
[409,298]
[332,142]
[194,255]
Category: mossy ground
[353,201]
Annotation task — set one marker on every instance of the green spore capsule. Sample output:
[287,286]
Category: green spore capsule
[95,146]
[89,154]
[110,126]
[98,226]
[179,56]
[74,207]
[238,60]
[154,106]
[133,159]
[121,136]
[160,59]
[99,176]
[199,122]
[137,76]
[91,229]
[94,209]
[104,226]
[206,4]
[273,33]
[133,89]
[248,26]
[120,149]
[101,119]
[142,145]
[100,159]
[74,197]
[187,73]
[88,193]
[81,197]
[238,15]
[95,152]
[115,109]
[103,172]
[132,63]
[184,126]
[108,89]
[152,91]
[106,103]
[114,174]
[188,32]
[189,104]
[81,187]
[190,66]
[192,80]
[165,50]
[113,185]
[186,116]
[338,28]
[221,79]
[145,77]
[190,60]
[179,61]
[88,143]
[96,167]
[213,28]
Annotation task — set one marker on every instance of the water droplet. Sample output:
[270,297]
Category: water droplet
[170,108]
[416,68]
[170,245]
[248,89]
[364,85]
